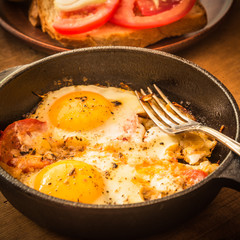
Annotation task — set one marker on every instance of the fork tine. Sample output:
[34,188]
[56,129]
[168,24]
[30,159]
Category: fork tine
[164,108]
[158,112]
[171,105]
[150,114]
[157,109]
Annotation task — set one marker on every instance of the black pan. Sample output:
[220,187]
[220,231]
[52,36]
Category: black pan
[182,81]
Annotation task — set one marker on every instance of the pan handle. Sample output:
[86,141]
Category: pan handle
[230,176]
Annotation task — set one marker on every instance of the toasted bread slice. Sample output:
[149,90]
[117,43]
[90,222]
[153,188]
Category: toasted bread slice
[113,35]
[33,14]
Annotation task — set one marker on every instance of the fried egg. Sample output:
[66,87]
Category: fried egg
[71,180]
[98,150]
[95,113]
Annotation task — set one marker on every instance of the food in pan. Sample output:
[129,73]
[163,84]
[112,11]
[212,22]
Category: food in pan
[138,23]
[95,145]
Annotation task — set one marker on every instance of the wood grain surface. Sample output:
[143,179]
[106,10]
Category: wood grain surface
[218,53]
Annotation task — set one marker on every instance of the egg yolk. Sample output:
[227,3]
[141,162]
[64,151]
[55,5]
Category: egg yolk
[80,111]
[70,180]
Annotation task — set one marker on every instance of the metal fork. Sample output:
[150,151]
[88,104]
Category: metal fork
[172,121]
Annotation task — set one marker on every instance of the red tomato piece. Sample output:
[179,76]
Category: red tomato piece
[126,15]
[195,175]
[85,19]
[148,7]
[12,139]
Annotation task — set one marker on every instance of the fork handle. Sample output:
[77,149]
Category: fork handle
[227,141]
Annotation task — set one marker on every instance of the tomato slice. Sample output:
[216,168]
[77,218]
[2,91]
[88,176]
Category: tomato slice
[148,7]
[13,137]
[195,175]
[85,19]
[126,14]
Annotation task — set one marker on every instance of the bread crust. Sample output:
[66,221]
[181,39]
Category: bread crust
[113,35]
[33,14]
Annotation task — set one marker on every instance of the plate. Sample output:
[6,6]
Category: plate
[13,18]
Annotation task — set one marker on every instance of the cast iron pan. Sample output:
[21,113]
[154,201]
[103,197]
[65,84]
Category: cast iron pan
[181,80]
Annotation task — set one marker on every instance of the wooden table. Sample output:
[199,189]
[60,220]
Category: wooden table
[219,53]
